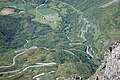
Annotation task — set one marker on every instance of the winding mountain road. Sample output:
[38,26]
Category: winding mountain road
[42,74]
[68,5]
[24,69]
[14,58]
[26,43]
[39,6]
[87,48]
[110,3]
[83,31]
[72,54]
[9,72]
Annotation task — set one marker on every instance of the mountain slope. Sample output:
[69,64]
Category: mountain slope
[55,39]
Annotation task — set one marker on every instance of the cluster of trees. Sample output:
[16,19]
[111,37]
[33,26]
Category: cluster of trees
[9,28]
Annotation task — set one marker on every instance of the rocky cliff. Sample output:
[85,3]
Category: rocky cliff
[110,67]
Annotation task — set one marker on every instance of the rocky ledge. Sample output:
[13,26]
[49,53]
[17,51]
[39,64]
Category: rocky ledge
[110,67]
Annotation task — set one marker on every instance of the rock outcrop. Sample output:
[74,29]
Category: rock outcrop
[110,68]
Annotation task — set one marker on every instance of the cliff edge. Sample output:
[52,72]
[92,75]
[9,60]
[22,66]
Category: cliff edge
[110,67]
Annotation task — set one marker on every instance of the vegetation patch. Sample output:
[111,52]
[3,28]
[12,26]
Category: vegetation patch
[51,19]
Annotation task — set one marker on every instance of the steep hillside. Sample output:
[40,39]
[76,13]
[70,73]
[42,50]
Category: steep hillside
[55,39]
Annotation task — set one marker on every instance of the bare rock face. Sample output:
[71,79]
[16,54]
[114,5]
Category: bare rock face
[110,68]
